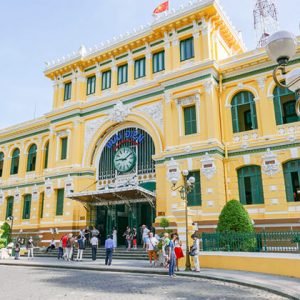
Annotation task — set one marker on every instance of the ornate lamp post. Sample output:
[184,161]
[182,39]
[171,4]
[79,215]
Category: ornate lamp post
[174,175]
[281,47]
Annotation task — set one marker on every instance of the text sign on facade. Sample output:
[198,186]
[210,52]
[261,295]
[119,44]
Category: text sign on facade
[120,138]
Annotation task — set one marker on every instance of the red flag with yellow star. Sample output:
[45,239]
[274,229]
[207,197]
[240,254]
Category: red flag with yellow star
[161,8]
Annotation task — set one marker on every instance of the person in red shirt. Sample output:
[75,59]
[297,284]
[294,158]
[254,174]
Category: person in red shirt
[64,241]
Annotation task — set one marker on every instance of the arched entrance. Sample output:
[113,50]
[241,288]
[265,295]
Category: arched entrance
[126,183]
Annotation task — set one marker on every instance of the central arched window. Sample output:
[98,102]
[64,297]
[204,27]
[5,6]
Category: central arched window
[284,106]
[250,185]
[31,158]
[291,172]
[14,168]
[243,112]
[1,163]
[141,144]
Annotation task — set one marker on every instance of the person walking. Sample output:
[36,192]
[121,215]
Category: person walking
[178,251]
[115,238]
[17,251]
[151,247]
[165,249]
[30,247]
[60,253]
[64,241]
[69,249]
[134,238]
[80,242]
[94,243]
[125,235]
[172,256]
[195,251]
[145,235]
[109,248]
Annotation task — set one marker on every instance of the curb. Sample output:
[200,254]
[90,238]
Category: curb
[155,272]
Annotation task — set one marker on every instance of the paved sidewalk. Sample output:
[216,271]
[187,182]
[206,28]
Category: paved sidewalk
[284,286]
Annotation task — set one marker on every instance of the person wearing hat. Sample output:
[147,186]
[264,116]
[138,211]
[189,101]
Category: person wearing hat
[195,251]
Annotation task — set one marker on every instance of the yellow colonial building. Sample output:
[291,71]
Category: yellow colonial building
[181,89]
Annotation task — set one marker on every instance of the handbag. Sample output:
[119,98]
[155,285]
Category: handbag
[192,251]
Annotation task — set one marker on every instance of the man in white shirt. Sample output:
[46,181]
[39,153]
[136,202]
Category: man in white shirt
[94,243]
[152,243]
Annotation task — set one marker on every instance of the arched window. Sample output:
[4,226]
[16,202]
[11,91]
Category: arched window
[291,172]
[243,112]
[1,163]
[250,185]
[284,106]
[14,168]
[46,155]
[31,158]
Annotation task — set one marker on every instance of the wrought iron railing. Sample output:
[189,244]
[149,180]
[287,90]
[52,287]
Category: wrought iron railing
[252,242]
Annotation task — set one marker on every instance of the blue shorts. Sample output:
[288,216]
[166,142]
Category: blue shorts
[145,239]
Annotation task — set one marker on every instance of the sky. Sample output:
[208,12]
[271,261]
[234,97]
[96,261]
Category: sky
[35,31]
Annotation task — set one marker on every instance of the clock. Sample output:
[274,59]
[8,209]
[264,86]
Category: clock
[124,159]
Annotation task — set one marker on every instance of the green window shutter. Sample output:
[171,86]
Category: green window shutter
[241,183]
[26,207]
[158,61]
[60,202]
[1,163]
[194,197]
[67,91]
[31,158]
[46,156]
[14,168]
[140,68]
[253,115]
[235,119]
[278,111]
[91,85]
[106,80]
[187,49]
[9,207]
[290,187]
[64,148]
[42,205]
[122,74]
[256,186]
[190,121]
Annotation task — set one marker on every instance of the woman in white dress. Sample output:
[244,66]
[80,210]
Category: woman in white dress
[115,234]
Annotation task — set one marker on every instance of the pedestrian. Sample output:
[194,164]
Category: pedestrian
[151,247]
[172,256]
[64,240]
[87,235]
[51,246]
[69,249]
[94,243]
[126,235]
[178,251]
[115,238]
[95,232]
[80,242]
[109,247]
[17,251]
[165,249]
[60,253]
[29,247]
[195,251]
[145,235]
[134,238]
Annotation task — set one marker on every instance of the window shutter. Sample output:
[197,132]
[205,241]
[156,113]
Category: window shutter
[26,207]
[241,184]
[288,187]
[257,187]
[278,111]
[64,147]
[253,115]
[235,119]
[46,156]
[182,50]
[60,202]
[194,197]
[9,207]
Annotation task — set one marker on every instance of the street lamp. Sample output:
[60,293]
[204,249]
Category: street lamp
[281,47]
[174,175]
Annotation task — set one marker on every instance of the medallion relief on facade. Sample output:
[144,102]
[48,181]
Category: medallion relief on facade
[155,112]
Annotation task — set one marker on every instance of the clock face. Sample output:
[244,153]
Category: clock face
[124,159]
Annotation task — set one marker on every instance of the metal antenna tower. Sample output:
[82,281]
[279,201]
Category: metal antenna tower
[265,20]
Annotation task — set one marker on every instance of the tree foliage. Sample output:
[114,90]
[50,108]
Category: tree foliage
[234,218]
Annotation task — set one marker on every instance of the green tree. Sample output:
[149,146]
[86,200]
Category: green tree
[234,218]
[164,223]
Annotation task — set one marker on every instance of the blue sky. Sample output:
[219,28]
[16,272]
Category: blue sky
[35,31]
